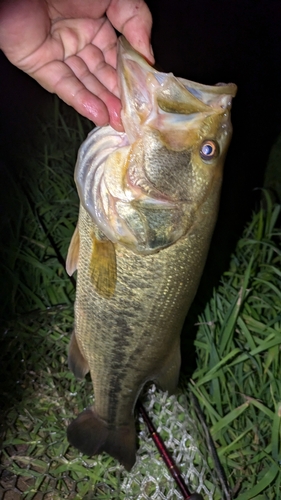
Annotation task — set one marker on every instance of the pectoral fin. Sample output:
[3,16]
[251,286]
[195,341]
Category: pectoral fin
[92,436]
[103,269]
[73,253]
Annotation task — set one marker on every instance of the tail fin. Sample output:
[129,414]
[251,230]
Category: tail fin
[92,435]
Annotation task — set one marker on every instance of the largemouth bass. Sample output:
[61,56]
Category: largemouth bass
[149,201]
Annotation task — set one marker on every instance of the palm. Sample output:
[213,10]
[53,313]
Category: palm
[69,47]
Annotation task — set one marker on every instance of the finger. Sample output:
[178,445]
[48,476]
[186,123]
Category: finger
[57,77]
[95,86]
[133,19]
[106,40]
[81,9]
[97,66]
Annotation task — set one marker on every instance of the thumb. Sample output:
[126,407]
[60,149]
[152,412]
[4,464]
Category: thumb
[133,19]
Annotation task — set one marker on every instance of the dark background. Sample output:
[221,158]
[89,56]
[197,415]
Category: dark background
[206,41]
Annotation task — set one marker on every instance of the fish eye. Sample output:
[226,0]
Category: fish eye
[209,150]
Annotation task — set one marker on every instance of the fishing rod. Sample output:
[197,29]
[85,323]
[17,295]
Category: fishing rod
[169,461]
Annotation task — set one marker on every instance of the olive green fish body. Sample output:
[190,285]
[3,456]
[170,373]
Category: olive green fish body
[149,202]
[134,336]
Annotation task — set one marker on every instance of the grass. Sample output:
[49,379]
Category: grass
[46,217]
[237,380]
[238,343]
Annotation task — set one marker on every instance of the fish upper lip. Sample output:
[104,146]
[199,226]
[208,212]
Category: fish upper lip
[220,89]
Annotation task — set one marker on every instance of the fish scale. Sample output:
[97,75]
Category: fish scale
[154,294]
[140,246]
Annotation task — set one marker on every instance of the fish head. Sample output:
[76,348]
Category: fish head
[145,187]
[175,118]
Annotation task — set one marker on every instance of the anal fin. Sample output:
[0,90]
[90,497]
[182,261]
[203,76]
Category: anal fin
[76,361]
[91,435]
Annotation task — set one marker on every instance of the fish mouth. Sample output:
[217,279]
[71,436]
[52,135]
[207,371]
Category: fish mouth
[144,90]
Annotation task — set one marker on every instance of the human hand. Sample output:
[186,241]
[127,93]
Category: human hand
[70,48]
